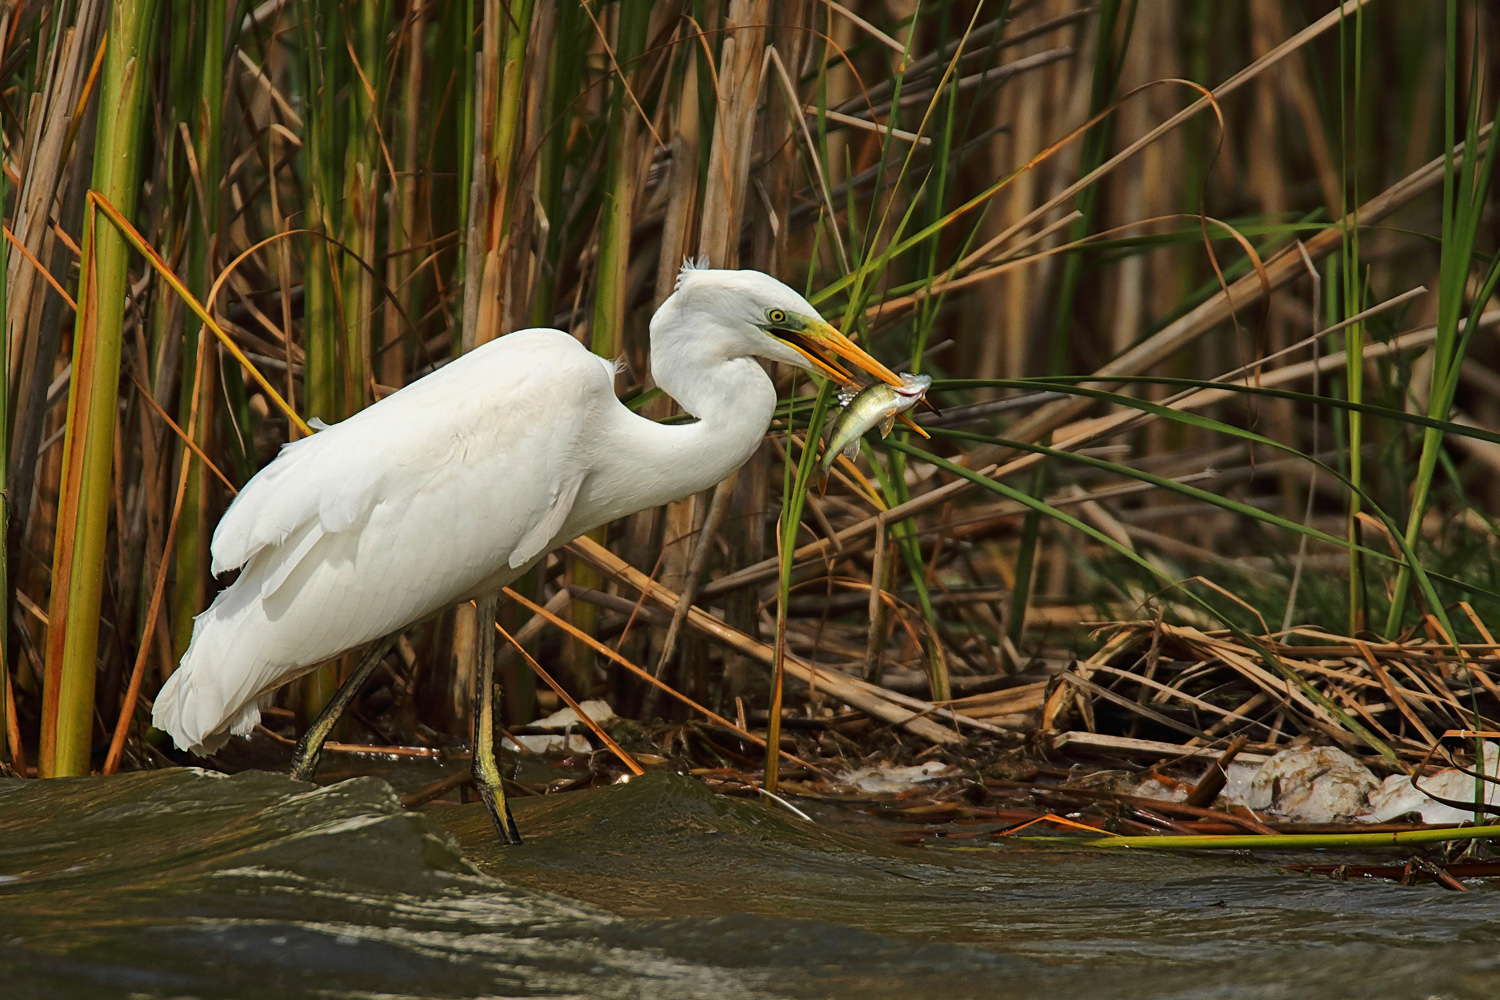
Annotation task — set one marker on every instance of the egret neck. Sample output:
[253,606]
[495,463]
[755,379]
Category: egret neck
[693,360]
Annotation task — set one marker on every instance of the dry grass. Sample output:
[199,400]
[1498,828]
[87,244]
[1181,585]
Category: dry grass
[987,199]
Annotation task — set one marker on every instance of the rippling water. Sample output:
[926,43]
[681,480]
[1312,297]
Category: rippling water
[189,884]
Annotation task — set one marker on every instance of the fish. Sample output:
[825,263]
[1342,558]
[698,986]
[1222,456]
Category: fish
[874,405]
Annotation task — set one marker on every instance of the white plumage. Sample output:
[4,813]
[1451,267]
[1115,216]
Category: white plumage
[456,484]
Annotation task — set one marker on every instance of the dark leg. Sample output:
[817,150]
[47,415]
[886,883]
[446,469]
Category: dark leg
[486,771]
[305,757]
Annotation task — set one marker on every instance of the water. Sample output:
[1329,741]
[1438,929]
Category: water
[187,884]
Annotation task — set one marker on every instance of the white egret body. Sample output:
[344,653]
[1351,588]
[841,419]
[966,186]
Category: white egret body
[458,483]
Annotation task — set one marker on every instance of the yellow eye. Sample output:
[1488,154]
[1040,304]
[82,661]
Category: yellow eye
[776,315]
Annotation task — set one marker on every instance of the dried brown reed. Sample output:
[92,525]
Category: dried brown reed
[988,194]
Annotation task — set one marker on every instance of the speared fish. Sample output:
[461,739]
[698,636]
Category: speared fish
[877,404]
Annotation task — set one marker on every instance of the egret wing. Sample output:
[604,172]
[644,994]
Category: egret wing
[447,487]
[497,433]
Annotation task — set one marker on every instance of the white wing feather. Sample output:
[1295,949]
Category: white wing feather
[456,482]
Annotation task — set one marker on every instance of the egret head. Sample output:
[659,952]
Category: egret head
[767,319]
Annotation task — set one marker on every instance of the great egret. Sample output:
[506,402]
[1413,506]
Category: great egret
[457,484]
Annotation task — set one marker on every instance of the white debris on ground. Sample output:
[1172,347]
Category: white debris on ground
[1398,796]
[1327,785]
[1312,785]
[879,780]
[565,718]
[1163,789]
[571,736]
[550,743]
[1238,777]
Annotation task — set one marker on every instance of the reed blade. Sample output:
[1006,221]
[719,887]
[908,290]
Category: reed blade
[83,517]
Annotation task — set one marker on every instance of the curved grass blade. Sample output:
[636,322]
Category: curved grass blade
[1269,658]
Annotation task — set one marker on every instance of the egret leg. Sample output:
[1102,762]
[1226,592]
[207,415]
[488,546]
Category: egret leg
[310,747]
[486,770]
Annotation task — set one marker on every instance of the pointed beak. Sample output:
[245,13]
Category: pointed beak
[909,422]
[823,347]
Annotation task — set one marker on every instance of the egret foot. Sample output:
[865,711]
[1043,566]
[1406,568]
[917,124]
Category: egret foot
[310,747]
[486,771]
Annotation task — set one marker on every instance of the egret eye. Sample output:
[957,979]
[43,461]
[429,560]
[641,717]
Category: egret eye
[776,316]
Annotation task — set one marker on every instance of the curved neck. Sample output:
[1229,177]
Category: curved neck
[653,463]
[733,400]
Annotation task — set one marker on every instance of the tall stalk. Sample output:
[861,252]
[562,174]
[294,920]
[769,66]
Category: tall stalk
[365,34]
[321,80]
[1353,299]
[198,38]
[566,60]
[794,499]
[7,710]
[607,328]
[83,516]
[1104,86]
[405,230]
[502,64]
[1466,187]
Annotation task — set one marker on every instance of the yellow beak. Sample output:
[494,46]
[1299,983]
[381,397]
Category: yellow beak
[818,336]
[908,421]
[820,344]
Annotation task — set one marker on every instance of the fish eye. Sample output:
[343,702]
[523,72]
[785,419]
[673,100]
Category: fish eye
[776,315]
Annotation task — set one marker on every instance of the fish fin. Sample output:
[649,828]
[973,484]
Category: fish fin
[846,396]
[887,424]
[851,449]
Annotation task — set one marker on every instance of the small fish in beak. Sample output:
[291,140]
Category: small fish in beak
[876,404]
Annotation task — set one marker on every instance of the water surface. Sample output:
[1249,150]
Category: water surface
[188,884]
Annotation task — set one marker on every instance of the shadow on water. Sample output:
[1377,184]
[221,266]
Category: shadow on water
[181,883]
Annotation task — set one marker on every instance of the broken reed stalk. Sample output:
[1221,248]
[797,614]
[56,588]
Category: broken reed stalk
[572,703]
[868,698]
[544,614]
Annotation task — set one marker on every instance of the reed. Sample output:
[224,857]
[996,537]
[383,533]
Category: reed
[7,710]
[1013,198]
[1466,195]
[1285,841]
[88,446]
[198,32]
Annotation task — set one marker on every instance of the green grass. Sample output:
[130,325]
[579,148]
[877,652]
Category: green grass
[467,168]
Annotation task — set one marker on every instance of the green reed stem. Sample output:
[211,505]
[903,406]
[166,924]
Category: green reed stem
[1466,187]
[78,565]
[792,504]
[320,336]
[6,708]
[365,33]
[198,38]
[1353,298]
[1108,61]
[1283,841]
